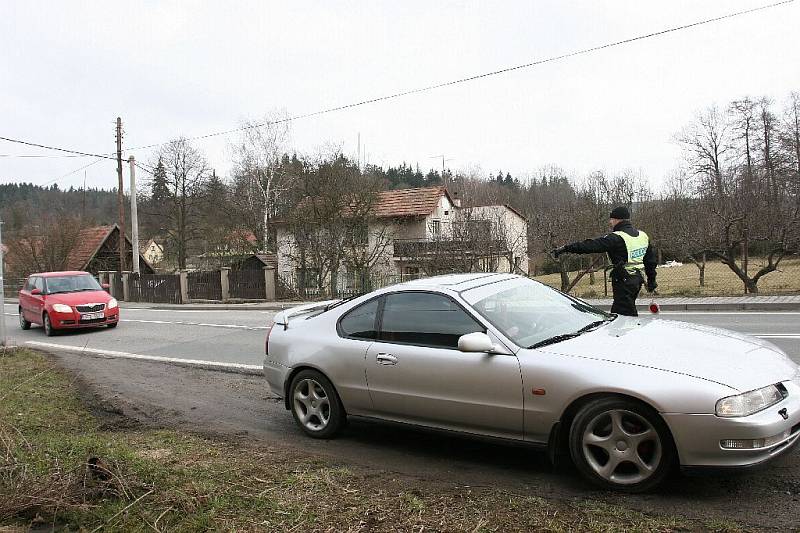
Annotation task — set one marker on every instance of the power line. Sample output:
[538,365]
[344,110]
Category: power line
[35,156]
[73,172]
[482,75]
[429,87]
[55,148]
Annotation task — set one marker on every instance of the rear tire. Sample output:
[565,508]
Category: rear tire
[621,444]
[49,330]
[315,405]
[24,324]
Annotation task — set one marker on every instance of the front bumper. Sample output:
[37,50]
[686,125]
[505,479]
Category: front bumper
[697,437]
[73,320]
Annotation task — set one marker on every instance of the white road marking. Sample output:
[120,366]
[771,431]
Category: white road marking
[197,363]
[182,323]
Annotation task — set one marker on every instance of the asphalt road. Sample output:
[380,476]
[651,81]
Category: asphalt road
[238,336]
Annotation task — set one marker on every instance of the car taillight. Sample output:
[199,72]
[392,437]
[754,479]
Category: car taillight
[266,342]
[654,308]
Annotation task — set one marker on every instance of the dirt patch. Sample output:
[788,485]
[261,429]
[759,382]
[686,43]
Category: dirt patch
[239,409]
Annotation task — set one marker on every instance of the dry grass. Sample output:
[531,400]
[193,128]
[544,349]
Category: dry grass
[685,280]
[164,480]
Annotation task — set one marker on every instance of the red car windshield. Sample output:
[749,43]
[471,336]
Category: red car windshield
[58,284]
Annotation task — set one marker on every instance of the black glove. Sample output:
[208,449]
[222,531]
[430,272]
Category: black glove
[557,251]
[652,286]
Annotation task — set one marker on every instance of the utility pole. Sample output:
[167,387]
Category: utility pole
[134,218]
[2,292]
[120,198]
[444,181]
[83,207]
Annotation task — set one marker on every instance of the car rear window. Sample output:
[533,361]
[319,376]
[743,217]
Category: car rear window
[359,323]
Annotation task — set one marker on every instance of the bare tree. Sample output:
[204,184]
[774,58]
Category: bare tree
[706,142]
[257,158]
[45,247]
[185,176]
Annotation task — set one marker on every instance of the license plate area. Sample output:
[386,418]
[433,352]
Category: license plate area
[92,316]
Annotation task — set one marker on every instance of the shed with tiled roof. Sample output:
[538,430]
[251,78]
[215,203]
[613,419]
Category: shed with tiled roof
[97,249]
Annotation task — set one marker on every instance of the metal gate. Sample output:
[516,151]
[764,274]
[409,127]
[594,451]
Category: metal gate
[247,284]
[155,288]
[205,285]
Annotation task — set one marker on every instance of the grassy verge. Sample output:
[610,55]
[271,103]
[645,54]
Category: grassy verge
[69,465]
[684,280]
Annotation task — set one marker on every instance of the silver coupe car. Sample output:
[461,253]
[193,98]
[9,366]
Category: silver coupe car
[504,356]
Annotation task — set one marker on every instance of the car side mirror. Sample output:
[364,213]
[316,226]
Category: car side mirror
[105,286]
[475,343]
[35,292]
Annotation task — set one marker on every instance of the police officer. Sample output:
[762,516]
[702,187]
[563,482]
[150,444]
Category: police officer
[630,253]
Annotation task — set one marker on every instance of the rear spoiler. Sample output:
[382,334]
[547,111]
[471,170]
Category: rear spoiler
[283,317]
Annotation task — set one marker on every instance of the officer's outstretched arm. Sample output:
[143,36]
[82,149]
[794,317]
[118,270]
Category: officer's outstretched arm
[594,246]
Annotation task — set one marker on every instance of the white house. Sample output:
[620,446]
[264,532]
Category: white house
[421,231]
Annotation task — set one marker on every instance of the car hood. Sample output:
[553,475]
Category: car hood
[79,298]
[714,354]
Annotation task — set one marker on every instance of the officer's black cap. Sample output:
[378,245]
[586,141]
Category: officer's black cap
[620,213]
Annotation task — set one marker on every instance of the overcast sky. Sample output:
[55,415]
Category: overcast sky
[67,69]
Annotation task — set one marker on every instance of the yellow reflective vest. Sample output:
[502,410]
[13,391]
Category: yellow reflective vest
[637,247]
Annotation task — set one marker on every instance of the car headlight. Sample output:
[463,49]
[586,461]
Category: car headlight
[750,402]
[112,303]
[61,308]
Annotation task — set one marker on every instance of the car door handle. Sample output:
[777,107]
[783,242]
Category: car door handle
[386,359]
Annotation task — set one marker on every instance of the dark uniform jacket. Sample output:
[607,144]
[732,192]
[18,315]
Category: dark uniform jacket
[615,247]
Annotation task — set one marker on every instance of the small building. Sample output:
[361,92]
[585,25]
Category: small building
[97,249]
[255,262]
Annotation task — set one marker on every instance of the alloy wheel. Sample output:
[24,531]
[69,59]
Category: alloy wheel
[622,447]
[311,404]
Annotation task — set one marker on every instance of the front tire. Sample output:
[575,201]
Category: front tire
[621,444]
[112,325]
[315,405]
[24,324]
[49,330]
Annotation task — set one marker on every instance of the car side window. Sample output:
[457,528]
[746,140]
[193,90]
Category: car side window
[28,284]
[425,319]
[38,283]
[359,323]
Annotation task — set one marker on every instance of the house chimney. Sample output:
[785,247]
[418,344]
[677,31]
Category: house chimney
[456,199]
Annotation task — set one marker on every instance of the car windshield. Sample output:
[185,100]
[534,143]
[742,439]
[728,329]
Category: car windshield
[532,314]
[57,284]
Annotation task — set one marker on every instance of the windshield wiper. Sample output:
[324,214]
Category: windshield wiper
[553,340]
[594,325]
[566,336]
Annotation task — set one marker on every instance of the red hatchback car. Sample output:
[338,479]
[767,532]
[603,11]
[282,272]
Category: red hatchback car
[66,300]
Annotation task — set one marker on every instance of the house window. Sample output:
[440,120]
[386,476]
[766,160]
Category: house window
[436,228]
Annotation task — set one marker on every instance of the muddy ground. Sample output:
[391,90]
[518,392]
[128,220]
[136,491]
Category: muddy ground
[240,407]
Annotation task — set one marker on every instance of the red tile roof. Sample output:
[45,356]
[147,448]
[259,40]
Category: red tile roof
[87,244]
[409,202]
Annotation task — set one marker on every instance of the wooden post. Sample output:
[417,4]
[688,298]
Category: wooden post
[184,279]
[224,282]
[270,288]
[126,287]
